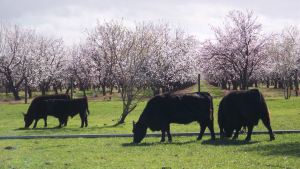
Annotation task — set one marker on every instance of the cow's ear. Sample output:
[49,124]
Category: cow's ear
[23,114]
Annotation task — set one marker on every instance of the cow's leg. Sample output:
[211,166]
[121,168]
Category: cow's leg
[86,121]
[35,123]
[221,125]
[82,120]
[45,119]
[163,132]
[237,130]
[169,134]
[250,129]
[202,129]
[60,122]
[212,132]
[267,123]
[66,121]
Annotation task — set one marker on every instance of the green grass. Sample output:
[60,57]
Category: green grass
[215,92]
[183,152]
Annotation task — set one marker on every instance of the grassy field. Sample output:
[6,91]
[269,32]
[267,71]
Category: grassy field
[183,152]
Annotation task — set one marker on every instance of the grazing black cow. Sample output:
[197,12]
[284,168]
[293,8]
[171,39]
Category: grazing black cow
[243,108]
[38,109]
[168,108]
[61,109]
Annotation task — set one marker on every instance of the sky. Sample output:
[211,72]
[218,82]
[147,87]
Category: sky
[71,18]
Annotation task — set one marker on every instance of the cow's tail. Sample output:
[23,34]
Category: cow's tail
[262,108]
[211,109]
[87,106]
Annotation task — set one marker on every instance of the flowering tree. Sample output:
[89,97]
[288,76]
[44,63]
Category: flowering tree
[127,53]
[240,44]
[81,66]
[50,57]
[15,44]
[174,60]
[285,56]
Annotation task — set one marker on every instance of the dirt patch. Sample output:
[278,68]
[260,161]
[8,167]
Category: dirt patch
[187,90]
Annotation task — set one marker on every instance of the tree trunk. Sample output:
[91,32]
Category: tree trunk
[280,85]
[126,108]
[111,89]
[224,85]
[275,84]
[291,85]
[163,89]
[268,83]
[250,84]
[69,87]
[44,87]
[55,89]
[29,92]
[83,89]
[234,85]
[103,89]
[16,94]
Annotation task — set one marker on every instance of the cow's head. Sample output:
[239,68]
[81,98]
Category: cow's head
[138,133]
[28,120]
[228,129]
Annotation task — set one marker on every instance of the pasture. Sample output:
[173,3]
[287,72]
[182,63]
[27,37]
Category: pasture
[183,152]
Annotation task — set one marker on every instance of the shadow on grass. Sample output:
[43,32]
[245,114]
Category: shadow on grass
[138,144]
[283,149]
[45,128]
[70,129]
[228,142]
[156,143]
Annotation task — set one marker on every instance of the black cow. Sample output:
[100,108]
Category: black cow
[38,109]
[168,108]
[61,109]
[243,108]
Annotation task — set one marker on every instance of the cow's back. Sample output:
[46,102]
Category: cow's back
[70,107]
[241,107]
[182,109]
[38,106]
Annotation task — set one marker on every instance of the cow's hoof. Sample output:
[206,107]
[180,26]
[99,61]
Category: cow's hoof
[248,139]
[170,140]
[198,139]
[222,136]
[272,138]
[234,138]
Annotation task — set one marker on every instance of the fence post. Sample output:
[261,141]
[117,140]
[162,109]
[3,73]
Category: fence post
[199,82]
[247,80]
[296,80]
[25,90]
[71,88]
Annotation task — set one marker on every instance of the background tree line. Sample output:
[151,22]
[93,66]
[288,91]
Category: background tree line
[151,55]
